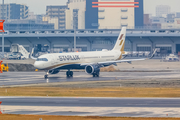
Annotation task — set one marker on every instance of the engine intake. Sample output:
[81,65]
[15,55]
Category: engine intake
[54,71]
[91,69]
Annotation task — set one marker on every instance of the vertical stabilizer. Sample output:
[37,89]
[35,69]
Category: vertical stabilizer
[120,43]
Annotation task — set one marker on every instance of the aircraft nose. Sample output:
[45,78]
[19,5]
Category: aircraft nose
[37,65]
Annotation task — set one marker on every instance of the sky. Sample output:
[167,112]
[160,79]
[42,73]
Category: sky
[39,6]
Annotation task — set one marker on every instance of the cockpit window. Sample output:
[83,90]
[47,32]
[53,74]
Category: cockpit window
[42,59]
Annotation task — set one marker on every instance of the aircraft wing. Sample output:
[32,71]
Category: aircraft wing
[106,63]
[113,62]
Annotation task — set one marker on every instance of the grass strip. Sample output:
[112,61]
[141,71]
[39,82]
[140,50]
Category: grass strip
[90,92]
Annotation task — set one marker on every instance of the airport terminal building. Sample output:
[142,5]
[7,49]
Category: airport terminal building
[92,34]
[92,40]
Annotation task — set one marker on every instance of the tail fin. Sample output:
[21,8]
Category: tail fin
[120,43]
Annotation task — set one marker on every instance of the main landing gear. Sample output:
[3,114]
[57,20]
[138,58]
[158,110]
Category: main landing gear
[96,74]
[69,74]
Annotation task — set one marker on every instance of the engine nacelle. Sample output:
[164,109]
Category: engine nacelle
[91,69]
[54,71]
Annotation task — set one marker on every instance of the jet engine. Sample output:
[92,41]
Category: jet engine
[54,71]
[92,69]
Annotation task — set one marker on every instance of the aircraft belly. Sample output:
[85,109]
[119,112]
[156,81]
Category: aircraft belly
[72,66]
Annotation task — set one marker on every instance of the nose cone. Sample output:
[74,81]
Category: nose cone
[37,65]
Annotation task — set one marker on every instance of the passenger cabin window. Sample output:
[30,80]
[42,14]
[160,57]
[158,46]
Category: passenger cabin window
[42,59]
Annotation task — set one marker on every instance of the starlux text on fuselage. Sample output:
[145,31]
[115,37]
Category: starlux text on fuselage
[69,57]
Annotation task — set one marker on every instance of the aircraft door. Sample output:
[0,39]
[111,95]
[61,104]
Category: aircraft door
[53,62]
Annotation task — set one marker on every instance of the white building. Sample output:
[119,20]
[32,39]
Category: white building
[87,16]
[51,20]
[115,18]
[31,16]
[162,9]
[57,12]
[175,24]
[79,7]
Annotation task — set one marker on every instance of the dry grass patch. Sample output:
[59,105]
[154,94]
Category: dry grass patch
[108,69]
[91,92]
[47,117]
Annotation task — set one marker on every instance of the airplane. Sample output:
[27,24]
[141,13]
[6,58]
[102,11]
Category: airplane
[90,61]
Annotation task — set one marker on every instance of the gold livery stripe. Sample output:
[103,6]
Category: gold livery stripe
[121,42]
[122,49]
[123,52]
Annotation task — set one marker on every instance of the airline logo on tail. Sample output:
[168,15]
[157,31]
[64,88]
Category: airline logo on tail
[121,40]
[121,37]
[120,43]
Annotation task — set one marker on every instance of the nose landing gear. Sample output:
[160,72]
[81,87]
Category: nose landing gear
[46,76]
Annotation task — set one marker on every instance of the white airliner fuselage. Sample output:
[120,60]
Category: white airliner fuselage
[74,60]
[90,61]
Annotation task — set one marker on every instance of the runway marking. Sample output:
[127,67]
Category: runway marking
[96,111]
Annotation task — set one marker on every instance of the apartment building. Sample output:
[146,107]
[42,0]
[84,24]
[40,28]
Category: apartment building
[57,12]
[13,11]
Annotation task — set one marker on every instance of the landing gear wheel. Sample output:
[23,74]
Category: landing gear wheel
[95,74]
[45,76]
[69,74]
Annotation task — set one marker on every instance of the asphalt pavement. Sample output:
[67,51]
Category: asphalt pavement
[122,107]
[26,78]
